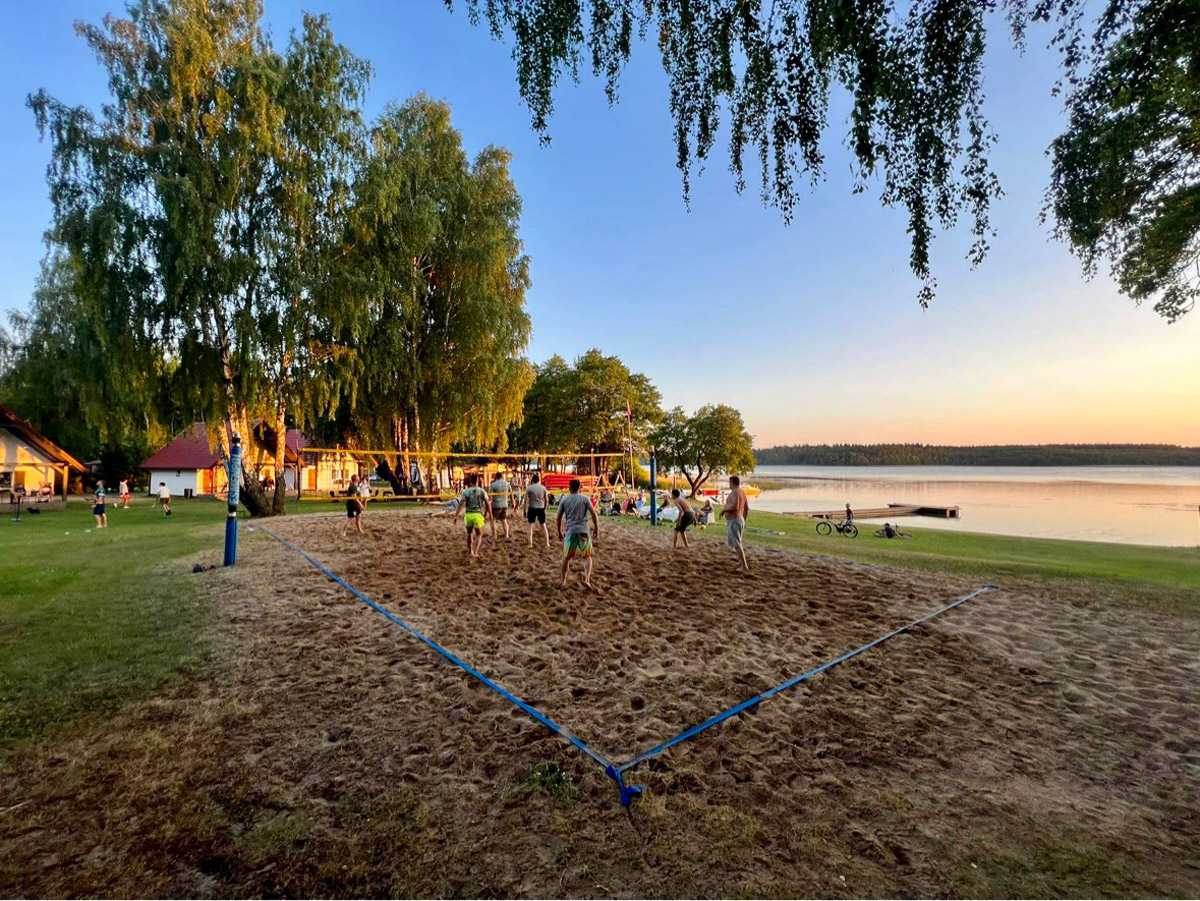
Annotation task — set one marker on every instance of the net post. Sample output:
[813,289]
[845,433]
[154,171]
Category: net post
[653,487]
[234,486]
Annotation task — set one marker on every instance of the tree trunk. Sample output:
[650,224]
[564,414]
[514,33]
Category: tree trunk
[385,471]
[280,461]
[252,496]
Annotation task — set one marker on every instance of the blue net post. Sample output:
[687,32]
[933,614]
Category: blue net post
[653,489]
[235,485]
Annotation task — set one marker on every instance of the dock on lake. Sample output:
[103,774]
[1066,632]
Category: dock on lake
[884,512]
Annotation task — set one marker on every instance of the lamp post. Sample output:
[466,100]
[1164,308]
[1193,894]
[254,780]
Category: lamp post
[235,484]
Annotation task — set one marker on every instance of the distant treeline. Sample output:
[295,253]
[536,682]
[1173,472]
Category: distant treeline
[983,455]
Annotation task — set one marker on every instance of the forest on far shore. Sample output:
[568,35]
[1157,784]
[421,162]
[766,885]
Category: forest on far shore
[980,455]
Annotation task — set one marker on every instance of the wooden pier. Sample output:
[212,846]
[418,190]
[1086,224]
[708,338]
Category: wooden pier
[884,512]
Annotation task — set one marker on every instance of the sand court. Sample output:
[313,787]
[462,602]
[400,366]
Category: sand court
[667,639]
[1039,740]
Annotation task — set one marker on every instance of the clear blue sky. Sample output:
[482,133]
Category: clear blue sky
[812,330]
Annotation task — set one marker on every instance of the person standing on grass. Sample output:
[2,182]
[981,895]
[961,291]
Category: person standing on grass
[475,505]
[98,506]
[535,507]
[736,511]
[501,492]
[125,493]
[686,518]
[164,498]
[575,508]
[849,515]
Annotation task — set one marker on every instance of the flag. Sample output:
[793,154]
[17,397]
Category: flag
[628,411]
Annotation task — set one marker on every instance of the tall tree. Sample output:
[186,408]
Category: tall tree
[442,273]
[913,73]
[197,202]
[712,441]
[92,388]
[588,404]
[1126,177]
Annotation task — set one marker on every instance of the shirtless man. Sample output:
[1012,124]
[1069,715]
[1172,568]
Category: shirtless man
[686,518]
[736,511]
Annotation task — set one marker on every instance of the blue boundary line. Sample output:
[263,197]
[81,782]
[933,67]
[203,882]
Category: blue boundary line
[499,689]
[613,770]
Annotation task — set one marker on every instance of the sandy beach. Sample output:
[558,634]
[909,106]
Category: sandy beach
[1036,740]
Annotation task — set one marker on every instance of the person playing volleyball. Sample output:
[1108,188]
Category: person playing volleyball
[575,508]
[475,506]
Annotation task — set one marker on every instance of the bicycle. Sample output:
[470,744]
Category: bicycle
[848,529]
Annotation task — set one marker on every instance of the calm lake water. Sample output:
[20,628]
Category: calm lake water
[1128,504]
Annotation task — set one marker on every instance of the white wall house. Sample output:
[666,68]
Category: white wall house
[187,464]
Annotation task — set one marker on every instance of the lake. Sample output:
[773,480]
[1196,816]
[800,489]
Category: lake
[1157,505]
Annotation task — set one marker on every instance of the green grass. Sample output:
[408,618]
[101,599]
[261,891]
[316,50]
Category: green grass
[90,620]
[1167,579]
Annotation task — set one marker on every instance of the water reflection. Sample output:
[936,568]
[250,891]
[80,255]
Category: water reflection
[1134,505]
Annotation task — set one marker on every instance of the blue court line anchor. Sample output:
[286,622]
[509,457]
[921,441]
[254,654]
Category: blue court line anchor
[616,771]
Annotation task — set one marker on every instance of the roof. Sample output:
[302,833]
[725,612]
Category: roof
[187,450]
[190,448]
[296,441]
[44,446]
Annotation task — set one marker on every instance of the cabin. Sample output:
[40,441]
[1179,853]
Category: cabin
[191,466]
[31,465]
[188,464]
[324,470]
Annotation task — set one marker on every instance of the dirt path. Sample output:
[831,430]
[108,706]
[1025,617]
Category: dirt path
[1035,741]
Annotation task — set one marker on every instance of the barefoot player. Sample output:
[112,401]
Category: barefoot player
[535,508]
[735,511]
[474,504]
[501,494]
[576,508]
[686,518]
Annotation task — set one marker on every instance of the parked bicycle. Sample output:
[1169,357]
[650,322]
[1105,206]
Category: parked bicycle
[846,528]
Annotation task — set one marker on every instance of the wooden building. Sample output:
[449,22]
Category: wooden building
[30,464]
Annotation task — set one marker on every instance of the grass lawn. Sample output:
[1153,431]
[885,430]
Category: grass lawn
[90,620]
[1167,579]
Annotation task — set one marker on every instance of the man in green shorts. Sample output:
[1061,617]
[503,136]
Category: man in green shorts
[575,508]
[475,504]
[501,492]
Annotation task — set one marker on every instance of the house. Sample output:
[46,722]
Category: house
[322,471]
[190,465]
[30,463]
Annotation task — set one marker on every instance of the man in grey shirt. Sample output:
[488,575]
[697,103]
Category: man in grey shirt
[501,493]
[575,508]
[535,507]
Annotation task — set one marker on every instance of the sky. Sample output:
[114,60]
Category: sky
[811,329]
